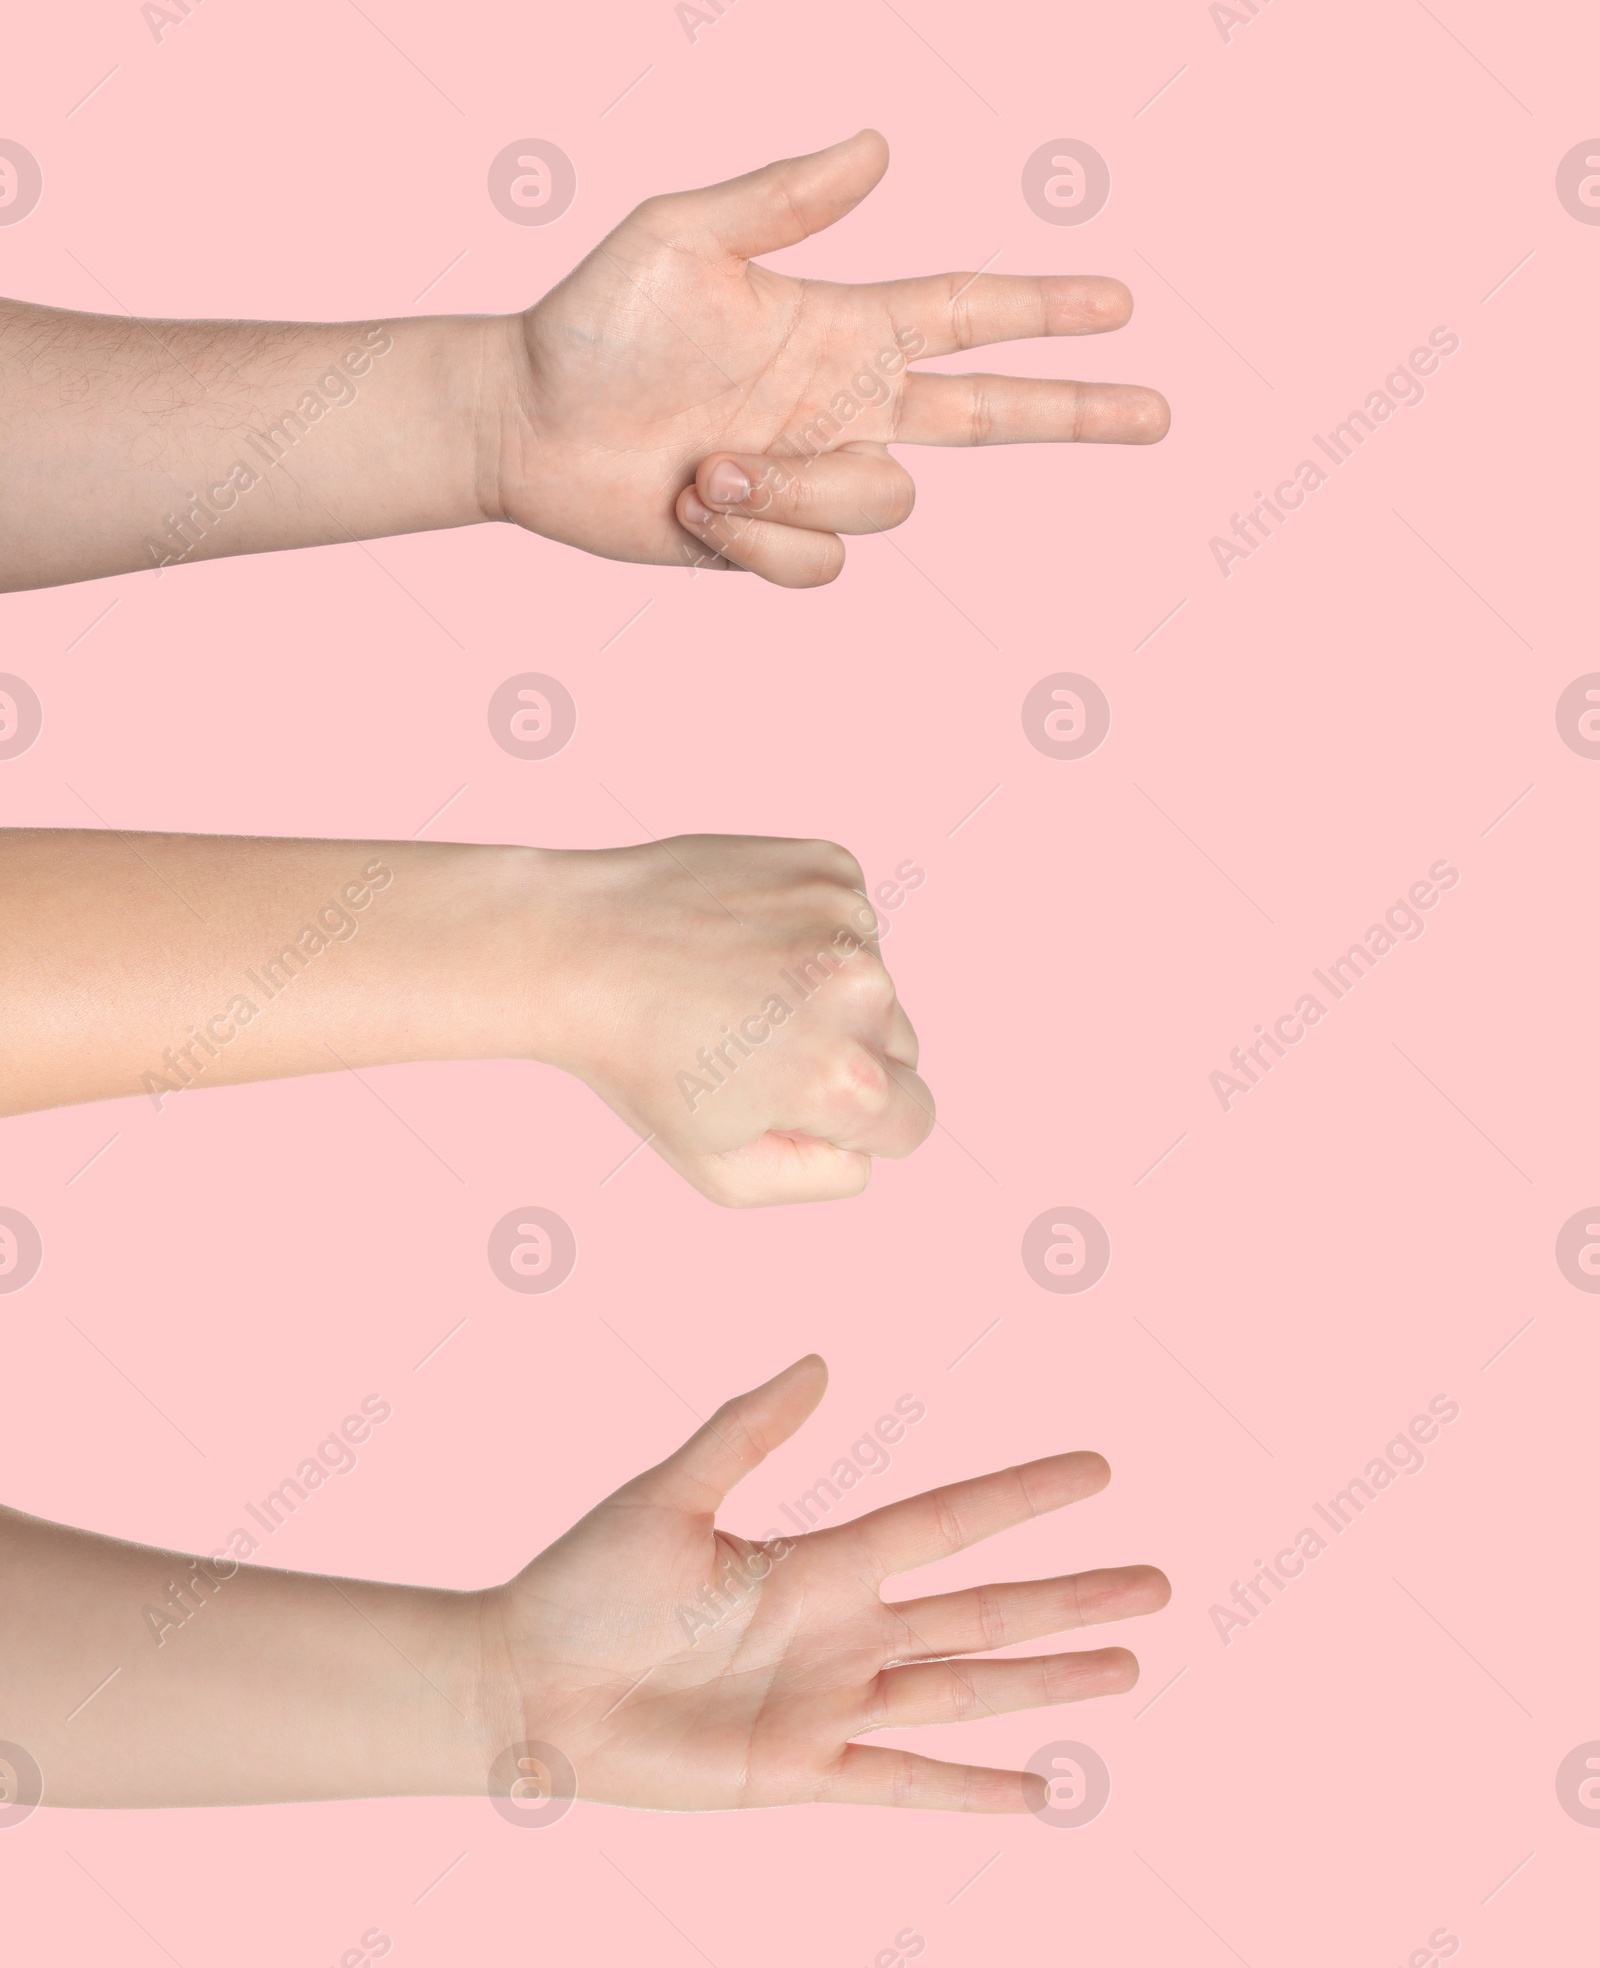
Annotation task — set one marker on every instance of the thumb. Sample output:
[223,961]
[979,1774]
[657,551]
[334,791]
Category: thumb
[780,1166]
[785,202]
[740,1435]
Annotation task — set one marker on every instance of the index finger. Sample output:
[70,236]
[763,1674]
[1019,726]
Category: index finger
[902,1536]
[969,310]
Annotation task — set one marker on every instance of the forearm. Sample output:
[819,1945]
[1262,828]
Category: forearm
[129,444]
[157,963]
[133,1676]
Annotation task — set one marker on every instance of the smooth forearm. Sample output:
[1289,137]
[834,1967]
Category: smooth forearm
[137,444]
[689,983]
[158,963]
[134,1676]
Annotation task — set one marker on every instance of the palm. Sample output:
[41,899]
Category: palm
[768,1695]
[649,357]
[691,1678]
[669,348]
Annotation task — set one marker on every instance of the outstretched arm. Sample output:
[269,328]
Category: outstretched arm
[724,995]
[131,1676]
[672,400]
[144,444]
[645,1658]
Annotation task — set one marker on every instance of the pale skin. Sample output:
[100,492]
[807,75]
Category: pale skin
[671,401]
[724,995]
[270,1686]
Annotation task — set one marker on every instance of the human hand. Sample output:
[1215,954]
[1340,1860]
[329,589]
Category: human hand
[677,1666]
[669,368]
[726,996]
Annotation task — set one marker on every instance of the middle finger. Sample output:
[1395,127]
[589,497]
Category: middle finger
[1028,410]
[989,1616]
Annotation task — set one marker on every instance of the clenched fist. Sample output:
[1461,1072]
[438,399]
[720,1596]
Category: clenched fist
[725,995]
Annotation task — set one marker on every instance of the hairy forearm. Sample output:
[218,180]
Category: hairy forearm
[133,1676]
[131,444]
[157,963]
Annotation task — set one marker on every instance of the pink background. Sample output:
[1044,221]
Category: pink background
[1364,1231]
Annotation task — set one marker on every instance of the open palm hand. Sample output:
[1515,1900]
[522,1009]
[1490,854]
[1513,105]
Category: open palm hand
[676,1666]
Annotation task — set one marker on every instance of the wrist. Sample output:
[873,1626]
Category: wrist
[476,955]
[447,372]
[502,423]
[567,912]
[460,1648]
[510,959]
[426,1720]
[506,1710]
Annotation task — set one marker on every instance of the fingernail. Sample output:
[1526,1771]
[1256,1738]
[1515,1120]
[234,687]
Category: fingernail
[727,484]
[693,511]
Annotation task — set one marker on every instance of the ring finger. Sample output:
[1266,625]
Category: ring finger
[985,1617]
[961,1691]
[858,488]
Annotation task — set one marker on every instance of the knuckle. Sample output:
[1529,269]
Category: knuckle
[965,1701]
[849,937]
[914,1123]
[733,1430]
[980,412]
[824,564]
[947,1520]
[849,917]
[868,985]
[856,1084]
[1034,1506]
[991,1619]
[901,497]
[837,861]
[797,488]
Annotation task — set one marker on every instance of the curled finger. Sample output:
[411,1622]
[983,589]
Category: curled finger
[787,556]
